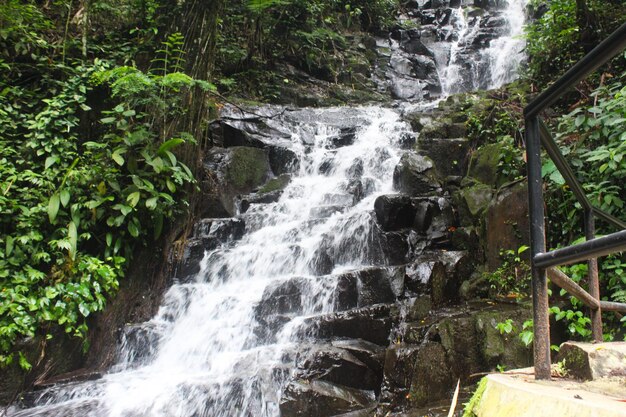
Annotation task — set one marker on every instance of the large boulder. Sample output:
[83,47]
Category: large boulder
[235,171]
[507,225]
[415,175]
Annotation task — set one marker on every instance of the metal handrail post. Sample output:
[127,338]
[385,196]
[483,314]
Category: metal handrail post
[541,325]
[592,275]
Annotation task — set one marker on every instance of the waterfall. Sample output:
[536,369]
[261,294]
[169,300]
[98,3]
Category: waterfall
[468,66]
[506,53]
[207,357]
[212,350]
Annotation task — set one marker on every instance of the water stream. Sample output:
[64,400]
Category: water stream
[210,351]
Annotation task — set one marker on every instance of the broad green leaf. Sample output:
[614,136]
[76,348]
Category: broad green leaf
[9,245]
[107,120]
[118,158]
[24,364]
[167,145]
[170,185]
[151,203]
[65,197]
[109,239]
[51,160]
[132,229]
[53,207]
[133,198]
[84,309]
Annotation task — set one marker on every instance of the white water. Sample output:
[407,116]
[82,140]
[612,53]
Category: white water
[489,67]
[208,360]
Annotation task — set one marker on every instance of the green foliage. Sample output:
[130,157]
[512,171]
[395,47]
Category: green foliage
[506,327]
[512,278]
[498,120]
[560,37]
[87,168]
[593,139]
[311,35]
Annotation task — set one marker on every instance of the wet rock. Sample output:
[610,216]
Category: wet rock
[394,212]
[415,175]
[139,342]
[484,164]
[400,361]
[338,366]
[507,225]
[258,198]
[321,398]
[439,274]
[410,42]
[476,199]
[372,324]
[283,160]
[281,298]
[376,285]
[448,155]
[323,212]
[407,141]
[345,137]
[502,349]
[431,379]
[224,230]
[356,169]
[193,253]
[392,248]
[369,353]
[235,171]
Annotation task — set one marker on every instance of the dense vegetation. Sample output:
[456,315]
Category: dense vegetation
[591,133]
[104,102]
[102,105]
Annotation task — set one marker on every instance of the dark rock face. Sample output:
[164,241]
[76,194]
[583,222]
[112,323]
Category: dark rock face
[208,234]
[415,175]
[372,324]
[507,222]
[394,212]
[338,366]
[321,398]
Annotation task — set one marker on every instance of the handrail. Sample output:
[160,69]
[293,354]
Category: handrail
[543,263]
[606,50]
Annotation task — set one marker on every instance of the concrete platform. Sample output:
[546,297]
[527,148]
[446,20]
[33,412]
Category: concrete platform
[517,394]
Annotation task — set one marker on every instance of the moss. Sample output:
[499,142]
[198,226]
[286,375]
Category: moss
[468,411]
[248,168]
[275,184]
[484,163]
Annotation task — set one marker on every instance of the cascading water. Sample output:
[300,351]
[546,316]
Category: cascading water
[207,359]
[470,67]
[212,350]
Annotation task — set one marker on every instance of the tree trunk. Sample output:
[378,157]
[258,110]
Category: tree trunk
[587,25]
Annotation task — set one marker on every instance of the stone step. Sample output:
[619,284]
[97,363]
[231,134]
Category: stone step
[518,394]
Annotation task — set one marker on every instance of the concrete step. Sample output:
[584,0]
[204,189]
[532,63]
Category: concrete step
[517,394]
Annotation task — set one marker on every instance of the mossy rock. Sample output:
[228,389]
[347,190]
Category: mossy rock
[248,168]
[275,184]
[477,199]
[503,349]
[484,164]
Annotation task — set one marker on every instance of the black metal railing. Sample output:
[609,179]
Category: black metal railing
[543,263]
